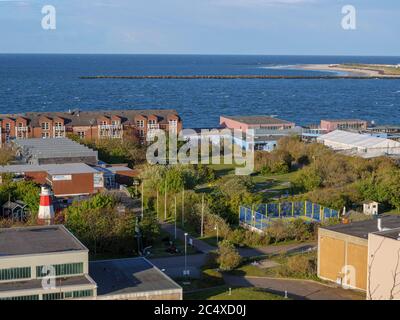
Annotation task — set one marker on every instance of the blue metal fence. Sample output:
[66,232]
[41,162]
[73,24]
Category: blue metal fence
[260,216]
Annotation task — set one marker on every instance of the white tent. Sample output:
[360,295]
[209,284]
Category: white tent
[361,144]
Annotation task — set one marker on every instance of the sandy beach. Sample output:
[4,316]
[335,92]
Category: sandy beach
[348,71]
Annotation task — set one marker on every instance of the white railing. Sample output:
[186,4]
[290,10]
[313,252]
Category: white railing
[59,131]
[153,126]
[112,131]
[21,132]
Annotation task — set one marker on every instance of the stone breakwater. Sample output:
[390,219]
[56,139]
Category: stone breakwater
[233,77]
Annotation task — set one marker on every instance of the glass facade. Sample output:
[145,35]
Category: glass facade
[61,269]
[32,297]
[68,295]
[15,273]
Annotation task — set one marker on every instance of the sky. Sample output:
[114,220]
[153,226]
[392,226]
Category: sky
[270,27]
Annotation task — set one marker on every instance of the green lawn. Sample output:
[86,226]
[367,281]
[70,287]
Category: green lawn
[222,293]
[210,278]
[158,250]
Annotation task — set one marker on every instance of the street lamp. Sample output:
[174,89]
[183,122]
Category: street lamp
[185,272]
[216,228]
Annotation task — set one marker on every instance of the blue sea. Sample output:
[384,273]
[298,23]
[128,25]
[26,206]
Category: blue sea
[51,83]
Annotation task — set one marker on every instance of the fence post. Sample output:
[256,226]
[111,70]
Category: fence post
[266,210]
[279,209]
[305,208]
[312,210]
[292,209]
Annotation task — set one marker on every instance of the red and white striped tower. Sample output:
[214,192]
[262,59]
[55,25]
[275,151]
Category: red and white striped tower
[46,209]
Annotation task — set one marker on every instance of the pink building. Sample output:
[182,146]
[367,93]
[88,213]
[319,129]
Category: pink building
[343,124]
[384,265]
[254,122]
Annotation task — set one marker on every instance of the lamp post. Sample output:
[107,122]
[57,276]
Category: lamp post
[216,228]
[185,272]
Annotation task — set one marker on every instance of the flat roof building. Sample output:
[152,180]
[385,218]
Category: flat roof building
[266,130]
[132,279]
[28,255]
[254,122]
[343,124]
[343,250]
[49,263]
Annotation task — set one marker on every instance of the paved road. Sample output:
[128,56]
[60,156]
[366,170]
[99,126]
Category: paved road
[296,289]
[244,252]
[289,248]
[174,266]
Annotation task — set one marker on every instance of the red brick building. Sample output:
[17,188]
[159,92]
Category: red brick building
[90,125]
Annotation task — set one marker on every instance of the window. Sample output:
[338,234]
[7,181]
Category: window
[45,126]
[8,126]
[141,133]
[58,125]
[103,123]
[53,296]
[45,135]
[152,121]
[15,273]
[173,123]
[32,297]
[140,123]
[81,134]
[68,295]
[62,269]
[115,122]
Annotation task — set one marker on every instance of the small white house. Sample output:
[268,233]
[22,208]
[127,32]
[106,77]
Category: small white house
[371,208]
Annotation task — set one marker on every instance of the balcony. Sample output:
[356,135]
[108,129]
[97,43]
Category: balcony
[59,131]
[21,132]
[113,131]
[153,126]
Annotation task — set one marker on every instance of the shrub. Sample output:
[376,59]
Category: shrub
[300,266]
[228,256]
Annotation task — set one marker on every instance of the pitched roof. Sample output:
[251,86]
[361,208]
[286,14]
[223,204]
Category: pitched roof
[87,118]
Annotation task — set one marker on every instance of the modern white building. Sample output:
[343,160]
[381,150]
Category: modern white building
[43,263]
[363,145]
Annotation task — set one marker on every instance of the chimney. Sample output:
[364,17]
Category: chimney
[46,209]
[380,224]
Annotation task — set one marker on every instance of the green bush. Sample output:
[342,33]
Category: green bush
[228,256]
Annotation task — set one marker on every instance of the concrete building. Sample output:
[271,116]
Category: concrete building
[343,124]
[266,131]
[49,263]
[385,131]
[383,279]
[245,123]
[343,250]
[90,125]
[362,145]
[28,255]
[132,279]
